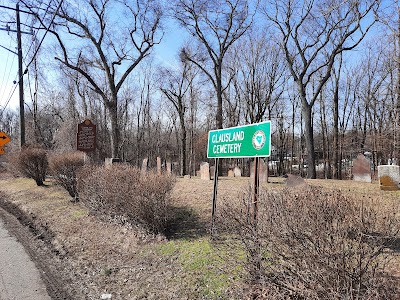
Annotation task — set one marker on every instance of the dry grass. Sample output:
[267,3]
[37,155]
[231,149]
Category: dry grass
[95,257]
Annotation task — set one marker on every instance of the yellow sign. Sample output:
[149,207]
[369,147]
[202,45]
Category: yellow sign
[4,138]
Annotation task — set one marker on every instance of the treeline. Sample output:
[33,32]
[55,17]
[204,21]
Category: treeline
[326,75]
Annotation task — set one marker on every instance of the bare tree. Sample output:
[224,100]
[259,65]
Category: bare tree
[313,34]
[104,41]
[261,74]
[216,25]
[390,16]
[176,87]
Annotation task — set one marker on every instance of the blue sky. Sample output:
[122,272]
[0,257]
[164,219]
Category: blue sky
[165,53]
[8,60]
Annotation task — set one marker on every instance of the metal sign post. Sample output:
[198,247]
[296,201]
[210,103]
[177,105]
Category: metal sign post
[214,200]
[256,186]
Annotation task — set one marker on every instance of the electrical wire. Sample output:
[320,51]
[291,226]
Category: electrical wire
[8,101]
[47,30]
[4,80]
[33,57]
[36,33]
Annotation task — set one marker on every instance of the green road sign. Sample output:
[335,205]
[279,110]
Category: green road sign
[243,141]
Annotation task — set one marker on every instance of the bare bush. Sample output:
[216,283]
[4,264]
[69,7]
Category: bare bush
[121,191]
[314,244]
[63,167]
[32,162]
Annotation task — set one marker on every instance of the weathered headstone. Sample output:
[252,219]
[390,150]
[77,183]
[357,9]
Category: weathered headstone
[144,166]
[212,172]
[361,169]
[205,171]
[169,167]
[237,172]
[262,171]
[231,173]
[389,177]
[108,162]
[158,165]
[294,181]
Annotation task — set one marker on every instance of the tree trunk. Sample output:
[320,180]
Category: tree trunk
[336,135]
[183,147]
[219,117]
[309,135]
[113,112]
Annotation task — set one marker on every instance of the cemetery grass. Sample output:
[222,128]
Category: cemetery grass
[87,257]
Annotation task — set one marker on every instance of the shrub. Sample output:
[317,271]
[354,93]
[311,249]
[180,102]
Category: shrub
[32,163]
[121,191]
[64,167]
[313,244]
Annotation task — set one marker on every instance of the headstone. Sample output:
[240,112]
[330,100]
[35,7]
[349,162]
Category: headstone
[205,171]
[169,167]
[158,165]
[361,169]
[109,161]
[144,166]
[389,177]
[212,172]
[237,172]
[294,181]
[231,173]
[262,171]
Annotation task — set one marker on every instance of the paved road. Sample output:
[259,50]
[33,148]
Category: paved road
[19,278]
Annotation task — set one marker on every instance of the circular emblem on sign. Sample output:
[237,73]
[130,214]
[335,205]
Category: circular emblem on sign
[259,139]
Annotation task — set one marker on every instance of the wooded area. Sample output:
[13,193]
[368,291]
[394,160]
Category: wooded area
[326,73]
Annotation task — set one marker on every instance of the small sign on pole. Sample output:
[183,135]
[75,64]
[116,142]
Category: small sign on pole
[86,136]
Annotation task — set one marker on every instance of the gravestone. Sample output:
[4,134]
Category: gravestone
[231,173]
[144,166]
[205,171]
[169,167]
[361,169]
[295,181]
[237,172]
[109,161]
[158,165]
[212,172]
[262,171]
[389,177]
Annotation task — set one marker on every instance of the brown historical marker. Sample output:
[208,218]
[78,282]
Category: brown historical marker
[86,136]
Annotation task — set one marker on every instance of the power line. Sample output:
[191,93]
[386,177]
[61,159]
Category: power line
[37,31]
[14,9]
[47,30]
[4,73]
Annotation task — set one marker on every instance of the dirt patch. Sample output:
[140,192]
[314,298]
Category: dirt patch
[35,241]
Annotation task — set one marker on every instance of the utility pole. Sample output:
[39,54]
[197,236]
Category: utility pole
[20,83]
